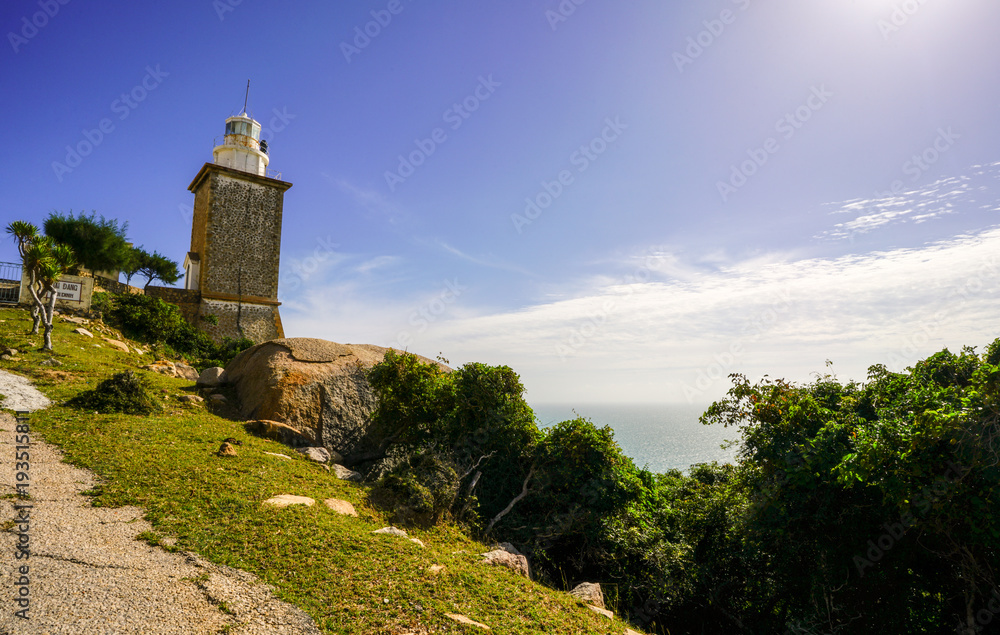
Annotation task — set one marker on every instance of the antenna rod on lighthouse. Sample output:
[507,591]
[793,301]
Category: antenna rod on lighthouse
[245,99]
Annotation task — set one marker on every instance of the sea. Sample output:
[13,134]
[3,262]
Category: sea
[658,437]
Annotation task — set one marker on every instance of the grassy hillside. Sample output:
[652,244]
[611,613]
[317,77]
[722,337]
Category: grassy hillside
[331,566]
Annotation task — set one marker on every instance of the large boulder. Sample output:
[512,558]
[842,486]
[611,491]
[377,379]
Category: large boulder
[318,388]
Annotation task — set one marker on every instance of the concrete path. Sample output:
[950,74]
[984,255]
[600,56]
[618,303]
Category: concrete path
[86,574]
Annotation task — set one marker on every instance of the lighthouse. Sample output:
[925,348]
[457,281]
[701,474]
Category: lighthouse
[232,266]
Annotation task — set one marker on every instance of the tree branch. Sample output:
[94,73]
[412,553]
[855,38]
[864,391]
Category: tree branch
[510,505]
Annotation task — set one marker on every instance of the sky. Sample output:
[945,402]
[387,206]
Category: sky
[624,202]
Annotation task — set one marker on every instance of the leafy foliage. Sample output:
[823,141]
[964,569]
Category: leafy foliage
[123,393]
[99,243]
[154,321]
[154,266]
[852,508]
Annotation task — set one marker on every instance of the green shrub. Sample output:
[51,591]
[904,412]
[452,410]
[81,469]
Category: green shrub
[421,489]
[145,318]
[154,321]
[123,393]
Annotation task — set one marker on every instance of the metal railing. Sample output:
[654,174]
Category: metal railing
[10,282]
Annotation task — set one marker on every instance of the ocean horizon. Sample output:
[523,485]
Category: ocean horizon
[658,437]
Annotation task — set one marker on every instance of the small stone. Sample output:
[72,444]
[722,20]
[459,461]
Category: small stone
[284,500]
[280,456]
[190,398]
[10,351]
[419,542]
[502,558]
[83,331]
[51,362]
[320,455]
[589,593]
[341,507]
[5,357]
[392,531]
[436,568]
[461,619]
[218,398]
[345,474]
[629,631]
[186,372]
[122,346]
[606,613]
[162,367]
[212,377]
[226,449]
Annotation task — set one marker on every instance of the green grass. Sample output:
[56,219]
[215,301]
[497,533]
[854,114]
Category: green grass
[331,566]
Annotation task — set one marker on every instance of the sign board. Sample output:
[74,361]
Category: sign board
[68,291]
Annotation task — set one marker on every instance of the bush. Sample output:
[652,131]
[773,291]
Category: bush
[124,393]
[154,321]
[421,489]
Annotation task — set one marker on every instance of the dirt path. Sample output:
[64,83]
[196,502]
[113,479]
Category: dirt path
[87,574]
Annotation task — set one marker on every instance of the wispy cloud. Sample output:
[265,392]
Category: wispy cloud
[482,261]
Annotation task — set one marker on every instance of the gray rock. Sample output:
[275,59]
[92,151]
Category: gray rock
[212,377]
[317,387]
[509,548]
[186,372]
[345,474]
[218,398]
[502,558]
[51,362]
[190,399]
[392,531]
[320,455]
[10,351]
[83,331]
[589,593]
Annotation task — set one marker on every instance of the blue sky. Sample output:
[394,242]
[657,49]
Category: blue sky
[622,201]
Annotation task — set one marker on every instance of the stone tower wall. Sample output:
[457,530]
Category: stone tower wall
[242,237]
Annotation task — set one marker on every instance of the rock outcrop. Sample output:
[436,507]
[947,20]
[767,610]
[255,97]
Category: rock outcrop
[316,387]
[590,593]
[512,560]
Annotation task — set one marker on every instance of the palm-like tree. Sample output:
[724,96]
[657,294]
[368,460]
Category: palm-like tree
[25,234]
[45,263]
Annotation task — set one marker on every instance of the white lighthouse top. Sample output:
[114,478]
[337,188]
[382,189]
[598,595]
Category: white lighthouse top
[241,148]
